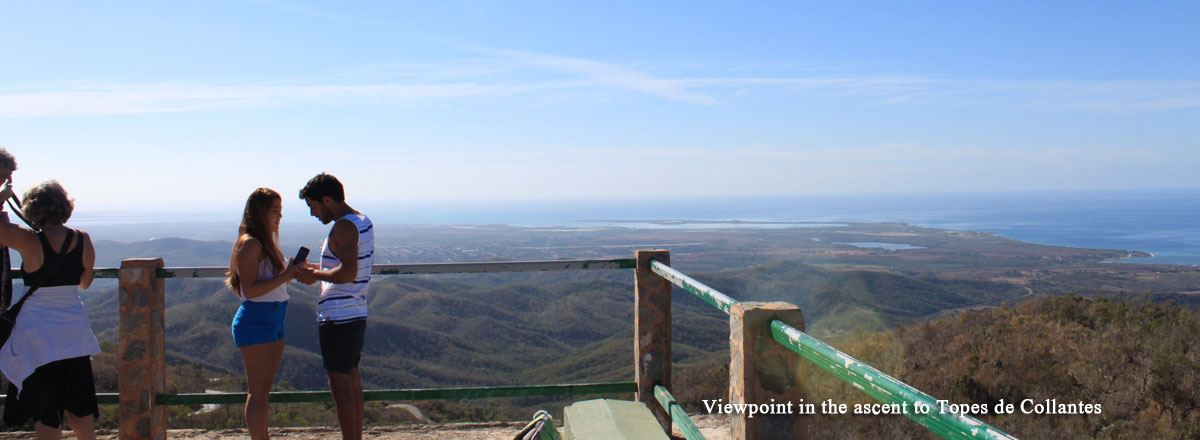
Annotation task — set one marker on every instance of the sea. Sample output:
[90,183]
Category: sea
[1164,223]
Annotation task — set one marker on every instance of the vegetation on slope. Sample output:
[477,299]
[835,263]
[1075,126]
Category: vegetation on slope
[1138,360]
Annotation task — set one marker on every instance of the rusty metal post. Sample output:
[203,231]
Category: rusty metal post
[763,372]
[652,332]
[141,351]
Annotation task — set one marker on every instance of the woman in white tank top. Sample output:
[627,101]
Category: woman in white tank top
[259,276]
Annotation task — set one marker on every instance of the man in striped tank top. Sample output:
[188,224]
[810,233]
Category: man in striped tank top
[347,257]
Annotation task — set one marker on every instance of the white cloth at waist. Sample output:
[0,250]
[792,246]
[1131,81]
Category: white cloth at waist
[52,326]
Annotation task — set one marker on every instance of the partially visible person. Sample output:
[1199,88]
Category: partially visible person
[258,274]
[347,257]
[8,164]
[47,357]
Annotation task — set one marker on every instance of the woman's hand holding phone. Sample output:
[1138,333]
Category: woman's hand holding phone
[297,265]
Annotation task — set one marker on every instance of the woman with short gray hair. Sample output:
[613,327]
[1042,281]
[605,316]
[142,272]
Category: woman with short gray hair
[47,357]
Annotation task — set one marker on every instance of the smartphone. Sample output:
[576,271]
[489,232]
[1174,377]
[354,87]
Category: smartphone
[301,255]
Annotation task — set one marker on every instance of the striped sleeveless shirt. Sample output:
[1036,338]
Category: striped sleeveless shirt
[346,302]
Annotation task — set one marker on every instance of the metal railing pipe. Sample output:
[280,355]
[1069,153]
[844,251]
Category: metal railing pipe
[883,387]
[409,394]
[404,269]
[708,294]
[504,266]
[678,415]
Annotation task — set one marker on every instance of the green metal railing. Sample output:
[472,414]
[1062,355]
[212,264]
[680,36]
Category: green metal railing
[404,269]
[409,394]
[401,394]
[678,415]
[572,389]
[708,294]
[876,384]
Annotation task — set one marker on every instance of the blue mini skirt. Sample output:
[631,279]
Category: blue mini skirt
[259,323]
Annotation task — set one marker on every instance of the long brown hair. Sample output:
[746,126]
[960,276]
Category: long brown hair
[254,224]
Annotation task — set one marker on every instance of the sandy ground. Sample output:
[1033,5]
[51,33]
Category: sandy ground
[713,428]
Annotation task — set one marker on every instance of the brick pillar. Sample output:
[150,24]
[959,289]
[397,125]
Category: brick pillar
[141,351]
[761,369]
[652,332]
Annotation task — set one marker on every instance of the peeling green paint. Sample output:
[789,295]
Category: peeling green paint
[708,294]
[678,415]
[882,387]
[874,383]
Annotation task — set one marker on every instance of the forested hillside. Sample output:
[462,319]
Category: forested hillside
[1138,360]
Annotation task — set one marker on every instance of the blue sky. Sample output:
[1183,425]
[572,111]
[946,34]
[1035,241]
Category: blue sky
[201,101]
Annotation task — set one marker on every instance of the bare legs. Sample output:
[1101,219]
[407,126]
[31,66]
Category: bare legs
[348,396]
[261,361]
[84,428]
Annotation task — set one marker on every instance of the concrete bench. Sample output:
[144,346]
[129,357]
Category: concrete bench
[606,419]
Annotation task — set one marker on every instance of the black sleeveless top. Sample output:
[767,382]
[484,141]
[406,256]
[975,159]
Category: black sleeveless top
[70,273]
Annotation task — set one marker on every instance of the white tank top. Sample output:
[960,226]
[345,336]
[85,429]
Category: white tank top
[266,271]
[345,302]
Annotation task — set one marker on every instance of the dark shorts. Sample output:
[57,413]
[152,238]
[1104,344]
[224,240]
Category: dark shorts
[259,323]
[65,385]
[341,345]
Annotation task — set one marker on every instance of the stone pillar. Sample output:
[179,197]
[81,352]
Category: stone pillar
[652,332]
[141,351]
[761,369]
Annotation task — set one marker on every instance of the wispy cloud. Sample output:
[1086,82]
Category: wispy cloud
[1101,95]
[895,153]
[598,73]
[1096,95]
[574,157]
[110,99]
[497,72]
